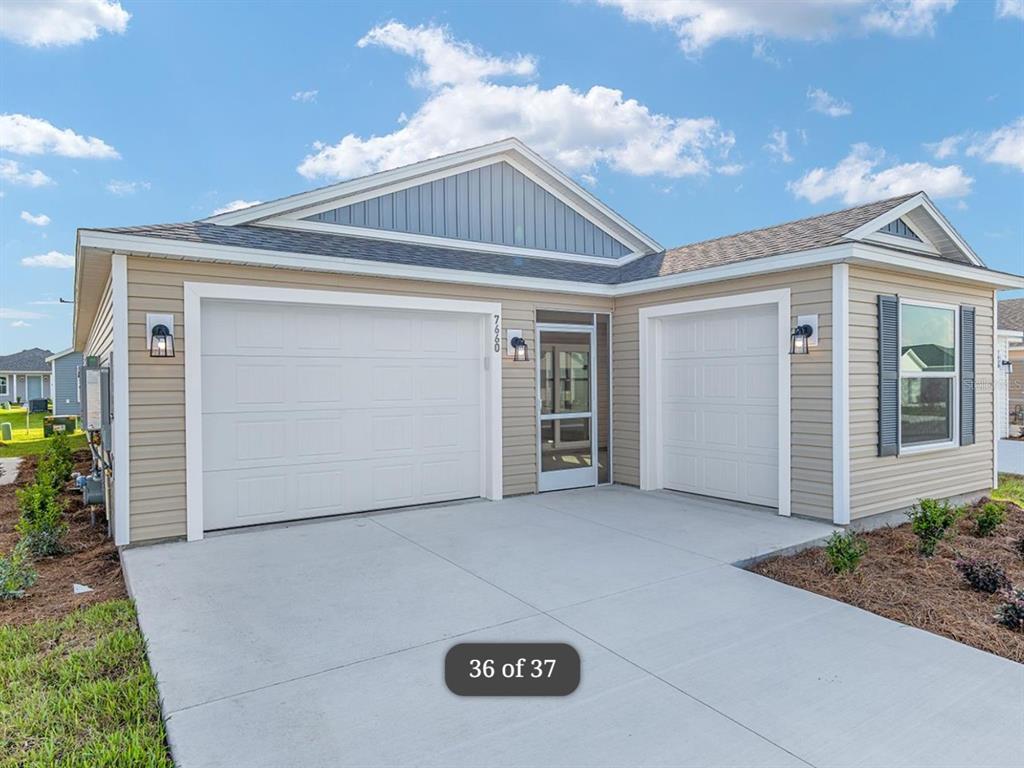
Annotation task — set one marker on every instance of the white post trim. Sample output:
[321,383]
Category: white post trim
[120,426]
[196,293]
[995,389]
[841,394]
[650,378]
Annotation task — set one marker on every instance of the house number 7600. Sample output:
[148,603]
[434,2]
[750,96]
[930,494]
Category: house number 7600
[497,333]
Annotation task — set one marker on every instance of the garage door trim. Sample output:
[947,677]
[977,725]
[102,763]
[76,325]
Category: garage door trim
[194,295]
[651,459]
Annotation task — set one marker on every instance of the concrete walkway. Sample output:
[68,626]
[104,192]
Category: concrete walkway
[322,644]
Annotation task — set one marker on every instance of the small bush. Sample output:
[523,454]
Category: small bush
[41,525]
[983,575]
[56,463]
[16,572]
[1010,612]
[988,517]
[931,520]
[845,551]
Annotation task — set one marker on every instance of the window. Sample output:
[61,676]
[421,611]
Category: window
[3,385]
[928,374]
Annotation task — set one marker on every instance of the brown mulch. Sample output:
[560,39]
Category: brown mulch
[928,593]
[90,557]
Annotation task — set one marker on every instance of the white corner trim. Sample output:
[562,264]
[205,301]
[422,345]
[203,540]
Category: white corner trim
[120,427]
[841,394]
[651,463]
[996,373]
[490,314]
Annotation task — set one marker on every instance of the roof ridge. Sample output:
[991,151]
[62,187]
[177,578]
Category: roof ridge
[901,198]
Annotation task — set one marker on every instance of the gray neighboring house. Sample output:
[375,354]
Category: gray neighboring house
[25,375]
[64,375]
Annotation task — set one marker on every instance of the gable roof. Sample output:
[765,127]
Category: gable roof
[1011,315]
[30,360]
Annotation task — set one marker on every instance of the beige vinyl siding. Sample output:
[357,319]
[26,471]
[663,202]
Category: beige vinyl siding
[157,387]
[1016,380]
[811,381]
[885,483]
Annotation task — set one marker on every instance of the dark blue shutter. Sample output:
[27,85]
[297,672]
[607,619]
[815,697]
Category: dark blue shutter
[888,375]
[967,368]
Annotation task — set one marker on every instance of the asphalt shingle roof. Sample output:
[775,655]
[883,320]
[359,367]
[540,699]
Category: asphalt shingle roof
[27,360]
[1011,314]
[802,235]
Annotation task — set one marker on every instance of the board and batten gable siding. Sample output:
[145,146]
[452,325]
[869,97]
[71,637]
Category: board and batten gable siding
[157,387]
[885,483]
[811,380]
[65,385]
[493,204]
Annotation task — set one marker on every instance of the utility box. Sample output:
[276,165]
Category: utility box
[96,405]
[38,405]
[53,424]
[6,433]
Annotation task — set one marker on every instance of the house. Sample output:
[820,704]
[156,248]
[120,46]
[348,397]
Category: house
[25,376]
[479,325]
[64,368]
[1010,350]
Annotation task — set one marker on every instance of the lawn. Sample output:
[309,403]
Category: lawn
[27,434]
[1011,488]
[78,691]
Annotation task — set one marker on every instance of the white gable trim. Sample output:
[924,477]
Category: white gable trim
[513,151]
[869,232]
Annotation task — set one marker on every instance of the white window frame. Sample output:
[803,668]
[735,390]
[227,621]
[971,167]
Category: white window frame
[954,376]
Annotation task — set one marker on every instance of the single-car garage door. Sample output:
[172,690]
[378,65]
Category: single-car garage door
[312,410]
[719,403]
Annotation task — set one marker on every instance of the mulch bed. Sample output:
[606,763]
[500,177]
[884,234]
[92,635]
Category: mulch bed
[90,557]
[928,593]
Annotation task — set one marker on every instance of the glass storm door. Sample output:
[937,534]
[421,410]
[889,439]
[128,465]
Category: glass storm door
[566,391]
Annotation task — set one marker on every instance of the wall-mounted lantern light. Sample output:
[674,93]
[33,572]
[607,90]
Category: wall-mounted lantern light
[1007,365]
[799,341]
[161,335]
[520,351]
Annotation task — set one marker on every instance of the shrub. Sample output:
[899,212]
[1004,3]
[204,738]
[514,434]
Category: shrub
[57,462]
[988,517]
[931,520]
[983,575]
[1010,612]
[845,551]
[16,572]
[41,525]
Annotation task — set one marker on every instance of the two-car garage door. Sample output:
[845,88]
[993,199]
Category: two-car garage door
[312,410]
[719,408]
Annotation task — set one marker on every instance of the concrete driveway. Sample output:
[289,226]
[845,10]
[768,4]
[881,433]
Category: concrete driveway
[322,644]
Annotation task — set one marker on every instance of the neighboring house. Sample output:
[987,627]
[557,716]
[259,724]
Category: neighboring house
[1011,349]
[351,348]
[24,376]
[64,375]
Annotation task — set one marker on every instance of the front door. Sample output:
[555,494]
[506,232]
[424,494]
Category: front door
[566,392]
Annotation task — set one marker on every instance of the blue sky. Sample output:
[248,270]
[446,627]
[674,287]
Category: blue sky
[693,120]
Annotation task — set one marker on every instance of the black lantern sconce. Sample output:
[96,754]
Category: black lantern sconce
[1007,366]
[520,351]
[799,341]
[161,335]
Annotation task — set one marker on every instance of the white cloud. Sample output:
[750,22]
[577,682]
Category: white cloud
[25,135]
[124,188]
[1004,146]
[944,148]
[578,130]
[235,205]
[1010,9]
[446,61]
[52,259]
[60,22]
[40,220]
[778,146]
[857,179]
[305,96]
[8,313]
[10,172]
[730,169]
[701,23]
[824,102]
[20,324]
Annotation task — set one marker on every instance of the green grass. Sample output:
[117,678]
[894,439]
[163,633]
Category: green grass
[1011,488]
[27,435]
[78,692]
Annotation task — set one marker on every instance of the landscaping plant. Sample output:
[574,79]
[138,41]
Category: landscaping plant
[16,572]
[56,463]
[931,520]
[845,550]
[1010,613]
[988,517]
[983,575]
[41,525]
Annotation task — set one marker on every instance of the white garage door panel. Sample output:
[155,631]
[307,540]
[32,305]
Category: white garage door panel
[312,410]
[719,404]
